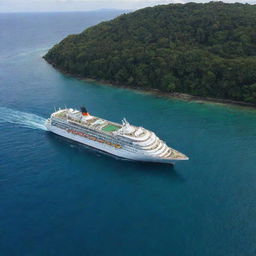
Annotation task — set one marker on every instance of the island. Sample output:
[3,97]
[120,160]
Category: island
[204,50]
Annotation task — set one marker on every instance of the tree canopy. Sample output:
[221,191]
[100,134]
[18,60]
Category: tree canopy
[200,49]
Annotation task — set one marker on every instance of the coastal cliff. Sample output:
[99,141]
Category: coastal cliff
[205,50]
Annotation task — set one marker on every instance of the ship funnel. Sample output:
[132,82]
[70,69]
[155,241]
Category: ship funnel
[84,111]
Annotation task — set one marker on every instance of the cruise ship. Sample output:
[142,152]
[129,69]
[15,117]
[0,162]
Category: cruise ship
[122,140]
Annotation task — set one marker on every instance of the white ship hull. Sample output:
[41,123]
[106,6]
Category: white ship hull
[119,152]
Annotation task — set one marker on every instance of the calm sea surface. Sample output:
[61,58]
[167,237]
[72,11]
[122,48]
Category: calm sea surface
[59,198]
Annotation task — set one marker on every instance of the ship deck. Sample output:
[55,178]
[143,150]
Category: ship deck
[92,122]
[110,128]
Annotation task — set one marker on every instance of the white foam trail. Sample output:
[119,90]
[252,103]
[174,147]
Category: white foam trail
[22,119]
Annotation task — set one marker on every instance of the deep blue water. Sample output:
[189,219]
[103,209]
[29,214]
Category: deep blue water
[59,198]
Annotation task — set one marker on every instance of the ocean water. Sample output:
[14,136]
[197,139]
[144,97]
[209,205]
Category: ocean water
[59,198]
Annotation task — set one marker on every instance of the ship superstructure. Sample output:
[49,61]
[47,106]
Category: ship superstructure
[121,140]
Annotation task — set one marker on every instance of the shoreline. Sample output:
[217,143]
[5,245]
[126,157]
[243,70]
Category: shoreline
[173,95]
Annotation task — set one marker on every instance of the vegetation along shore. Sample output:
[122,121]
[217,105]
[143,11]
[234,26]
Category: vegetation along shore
[192,51]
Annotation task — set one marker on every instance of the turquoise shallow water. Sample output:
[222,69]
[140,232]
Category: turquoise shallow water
[59,198]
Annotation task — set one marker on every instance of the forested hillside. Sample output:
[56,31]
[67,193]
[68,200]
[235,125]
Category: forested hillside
[200,49]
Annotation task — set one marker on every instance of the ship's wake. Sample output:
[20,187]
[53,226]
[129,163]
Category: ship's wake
[21,119]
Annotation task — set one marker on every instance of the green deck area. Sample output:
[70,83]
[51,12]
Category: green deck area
[110,128]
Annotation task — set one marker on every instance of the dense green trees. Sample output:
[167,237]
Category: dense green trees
[200,49]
